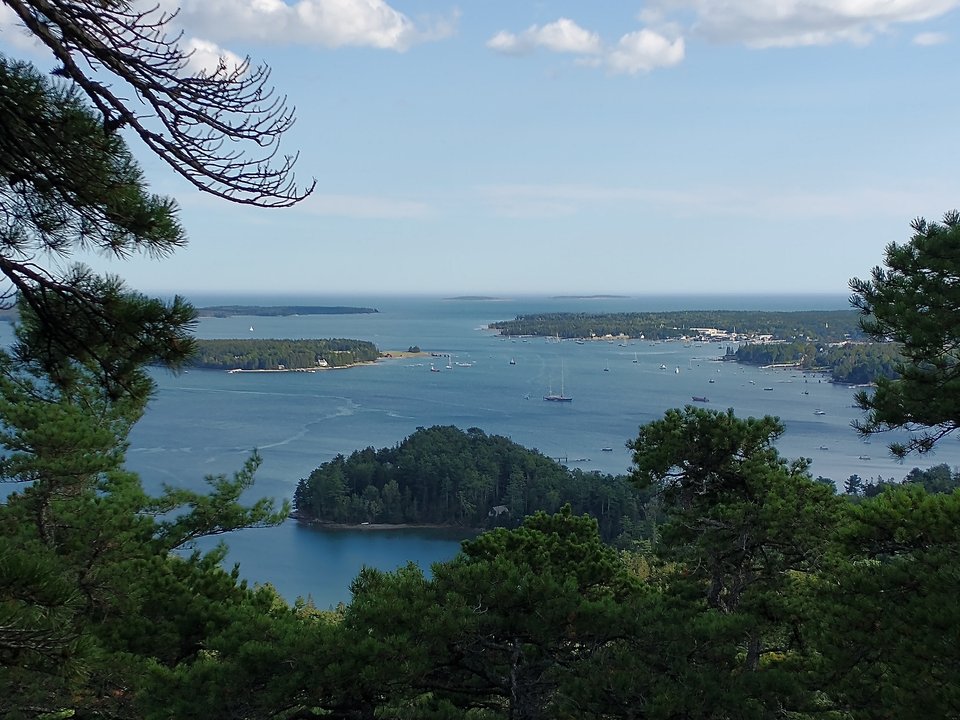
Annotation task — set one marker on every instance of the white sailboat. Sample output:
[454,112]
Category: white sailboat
[552,396]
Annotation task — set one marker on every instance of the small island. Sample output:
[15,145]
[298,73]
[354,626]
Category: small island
[251,355]
[223,311]
[446,477]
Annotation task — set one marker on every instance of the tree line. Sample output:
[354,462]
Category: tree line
[250,354]
[446,476]
[851,363]
[822,325]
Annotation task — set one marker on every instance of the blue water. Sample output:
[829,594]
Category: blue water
[204,422]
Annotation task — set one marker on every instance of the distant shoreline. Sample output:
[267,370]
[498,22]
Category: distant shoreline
[326,525]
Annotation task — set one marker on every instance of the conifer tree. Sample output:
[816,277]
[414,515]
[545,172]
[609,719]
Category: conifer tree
[915,301]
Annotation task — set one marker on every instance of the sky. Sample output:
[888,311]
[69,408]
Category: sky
[506,147]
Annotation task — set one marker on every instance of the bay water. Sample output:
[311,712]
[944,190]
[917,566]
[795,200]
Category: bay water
[205,422]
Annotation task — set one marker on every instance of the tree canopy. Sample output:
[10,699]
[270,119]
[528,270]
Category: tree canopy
[915,300]
[67,185]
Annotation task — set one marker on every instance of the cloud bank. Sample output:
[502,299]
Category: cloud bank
[795,23]
[660,43]
[321,23]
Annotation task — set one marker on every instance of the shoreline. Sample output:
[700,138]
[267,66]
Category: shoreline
[326,525]
[386,355]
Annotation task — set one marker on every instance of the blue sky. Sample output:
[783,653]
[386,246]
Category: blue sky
[510,147]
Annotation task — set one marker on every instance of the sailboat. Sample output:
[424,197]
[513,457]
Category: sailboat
[553,397]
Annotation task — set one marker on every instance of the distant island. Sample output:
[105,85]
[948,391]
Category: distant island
[473,297]
[222,311]
[250,355]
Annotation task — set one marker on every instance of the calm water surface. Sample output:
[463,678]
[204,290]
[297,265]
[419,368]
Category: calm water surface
[207,422]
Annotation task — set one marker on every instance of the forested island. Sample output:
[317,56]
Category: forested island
[253,354]
[446,476]
[852,363]
[821,325]
[223,311]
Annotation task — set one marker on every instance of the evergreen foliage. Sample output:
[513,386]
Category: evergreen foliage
[66,185]
[819,325]
[445,476]
[915,301]
[250,354]
[850,363]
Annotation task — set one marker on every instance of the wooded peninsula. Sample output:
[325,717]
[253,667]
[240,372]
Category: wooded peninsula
[822,325]
[852,363]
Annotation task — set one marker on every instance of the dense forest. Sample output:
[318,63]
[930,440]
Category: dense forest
[445,476]
[821,325]
[249,354]
[222,311]
[852,363]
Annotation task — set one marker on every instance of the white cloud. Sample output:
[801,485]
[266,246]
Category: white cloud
[638,51]
[327,23]
[364,207]
[930,38]
[563,35]
[205,57]
[792,23]
[643,51]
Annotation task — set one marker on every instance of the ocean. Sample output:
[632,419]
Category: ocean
[205,422]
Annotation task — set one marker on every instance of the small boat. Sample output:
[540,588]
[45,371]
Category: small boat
[864,457]
[606,449]
[635,359]
[769,389]
[663,367]
[819,412]
[433,369]
[676,371]
[701,398]
[251,328]
[824,447]
[711,380]
[512,361]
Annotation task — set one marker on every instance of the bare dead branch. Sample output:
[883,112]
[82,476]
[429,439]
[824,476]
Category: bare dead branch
[205,120]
